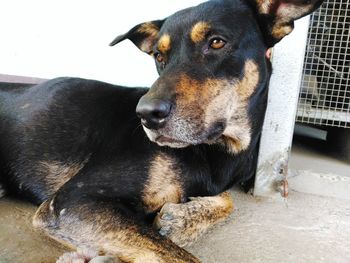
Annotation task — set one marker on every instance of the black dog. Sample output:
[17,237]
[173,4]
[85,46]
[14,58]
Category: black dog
[77,147]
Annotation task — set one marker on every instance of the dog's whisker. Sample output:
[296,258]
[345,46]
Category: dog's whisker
[137,127]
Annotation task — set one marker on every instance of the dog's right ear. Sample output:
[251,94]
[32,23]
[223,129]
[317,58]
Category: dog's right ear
[276,17]
[143,35]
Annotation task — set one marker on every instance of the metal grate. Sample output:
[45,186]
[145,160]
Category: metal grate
[325,88]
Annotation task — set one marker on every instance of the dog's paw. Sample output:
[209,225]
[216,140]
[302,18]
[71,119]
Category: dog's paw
[80,256]
[72,257]
[86,256]
[180,223]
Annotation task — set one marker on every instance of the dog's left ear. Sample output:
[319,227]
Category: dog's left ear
[276,17]
[143,35]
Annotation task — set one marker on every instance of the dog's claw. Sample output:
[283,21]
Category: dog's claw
[164,231]
[104,259]
[167,216]
[83,255]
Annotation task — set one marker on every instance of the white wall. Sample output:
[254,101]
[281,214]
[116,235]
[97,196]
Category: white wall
[50,38]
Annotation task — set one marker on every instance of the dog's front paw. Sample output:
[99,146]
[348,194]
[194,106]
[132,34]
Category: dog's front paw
[180,223]
[79,257]
[85,256]
[73,257]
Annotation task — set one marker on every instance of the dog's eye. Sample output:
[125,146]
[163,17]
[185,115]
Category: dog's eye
[159,57]
[217,43]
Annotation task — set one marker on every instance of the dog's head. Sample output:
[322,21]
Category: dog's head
[212,62]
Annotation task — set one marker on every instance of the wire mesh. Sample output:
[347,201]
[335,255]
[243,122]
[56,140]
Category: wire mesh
[325,88]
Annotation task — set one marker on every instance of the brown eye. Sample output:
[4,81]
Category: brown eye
[159,57]
[217,43]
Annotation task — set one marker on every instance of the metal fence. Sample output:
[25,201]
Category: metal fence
[325,88]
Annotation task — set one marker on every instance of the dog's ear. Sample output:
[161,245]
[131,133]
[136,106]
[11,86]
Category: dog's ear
[276,17]
[143,35]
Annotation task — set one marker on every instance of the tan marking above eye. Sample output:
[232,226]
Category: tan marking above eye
[164,43]
[199,31]
[217,43]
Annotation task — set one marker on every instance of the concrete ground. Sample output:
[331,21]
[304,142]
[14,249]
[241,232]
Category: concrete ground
[18,241]
[314,169]
[303,228]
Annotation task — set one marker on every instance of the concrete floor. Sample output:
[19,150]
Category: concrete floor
[314,168]
[303,228]
[311,152]
[18,241]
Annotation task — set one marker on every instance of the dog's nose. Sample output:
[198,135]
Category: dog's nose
[153,112]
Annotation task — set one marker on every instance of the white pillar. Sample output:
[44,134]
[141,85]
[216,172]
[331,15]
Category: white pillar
[276,139]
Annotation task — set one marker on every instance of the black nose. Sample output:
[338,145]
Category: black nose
[153,112]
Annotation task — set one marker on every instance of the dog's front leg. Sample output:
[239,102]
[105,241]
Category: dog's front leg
[184,223]
[107,227]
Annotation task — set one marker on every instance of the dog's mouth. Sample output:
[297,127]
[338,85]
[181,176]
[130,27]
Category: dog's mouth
[211,135]
[216,131]
[167,141]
